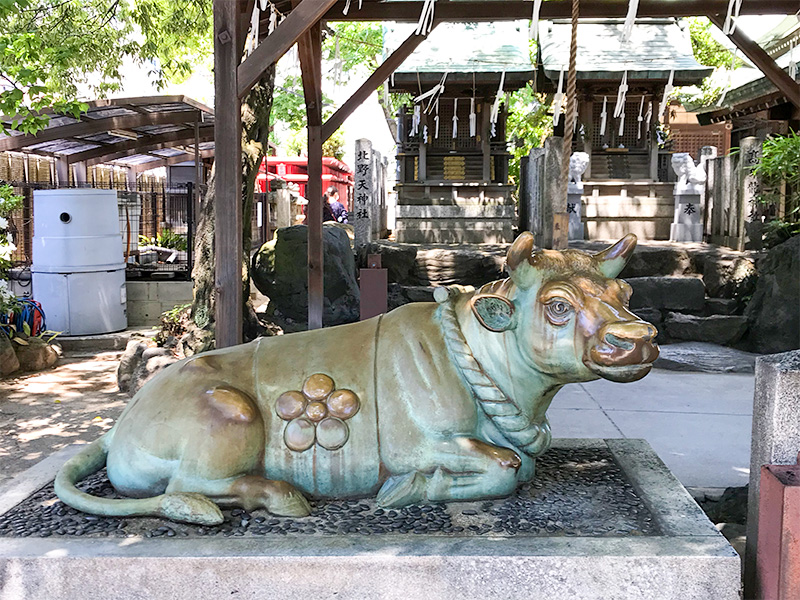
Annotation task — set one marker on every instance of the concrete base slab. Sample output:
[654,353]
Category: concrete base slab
[683,557]
[705,358]
[106,341]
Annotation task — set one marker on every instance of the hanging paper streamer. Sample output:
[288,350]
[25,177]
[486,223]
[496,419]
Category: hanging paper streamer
[667,91]
[649,116]
[730,79]
[425,24]
[734,6]
[346,7]
[436,120]
[534,31]
[558,99]
[630,20]
[603,116]
[640,120]
[415,120]
[424,134]
[473,118]
[263,4]
[496,106]
[619,107]
[575,119]
[273,18]
[337,63]
[792,61]
[252,38]
[455,117]
[621,124]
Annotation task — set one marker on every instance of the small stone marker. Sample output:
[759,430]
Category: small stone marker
[363,193]
[750,150]
[776,436]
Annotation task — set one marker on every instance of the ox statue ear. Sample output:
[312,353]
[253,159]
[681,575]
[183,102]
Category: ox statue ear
[613,259]
[519,260]
[496,313]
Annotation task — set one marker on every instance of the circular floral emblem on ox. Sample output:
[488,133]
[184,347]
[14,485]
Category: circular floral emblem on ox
[316,414]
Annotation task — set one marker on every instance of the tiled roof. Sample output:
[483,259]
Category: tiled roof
[656,47]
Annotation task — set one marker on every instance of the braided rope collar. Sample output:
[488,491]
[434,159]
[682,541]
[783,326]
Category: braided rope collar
[532,438]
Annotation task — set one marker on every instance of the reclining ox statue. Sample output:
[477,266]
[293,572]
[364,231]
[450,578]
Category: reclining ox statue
[430,402]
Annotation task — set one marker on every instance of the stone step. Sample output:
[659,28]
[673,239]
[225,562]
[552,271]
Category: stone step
[494,235]
[716,329]
[502,211]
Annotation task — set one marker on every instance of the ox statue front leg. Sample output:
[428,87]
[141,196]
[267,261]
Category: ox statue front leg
[462,468]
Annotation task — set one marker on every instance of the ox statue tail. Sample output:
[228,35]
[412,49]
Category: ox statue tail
[185,507]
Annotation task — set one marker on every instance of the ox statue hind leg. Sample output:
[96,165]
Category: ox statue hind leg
[460,469]
[183,464]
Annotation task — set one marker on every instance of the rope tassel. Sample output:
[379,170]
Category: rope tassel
[734,6]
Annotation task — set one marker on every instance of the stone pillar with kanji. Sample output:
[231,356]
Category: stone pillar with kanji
[750,151]
[363,193]
[687,224]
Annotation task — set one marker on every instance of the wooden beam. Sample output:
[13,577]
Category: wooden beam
[310,51]
[228,173]
[85,128]
[510,10]
[300,20]
[112,152]
[380,75]
[763,61]
[170,160]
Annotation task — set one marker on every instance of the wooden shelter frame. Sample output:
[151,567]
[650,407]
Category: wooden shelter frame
[234,78]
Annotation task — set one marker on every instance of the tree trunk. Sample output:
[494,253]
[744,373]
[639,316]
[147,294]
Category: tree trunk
[386,105]
[256,109]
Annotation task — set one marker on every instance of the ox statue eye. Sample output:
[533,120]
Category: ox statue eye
[559,311]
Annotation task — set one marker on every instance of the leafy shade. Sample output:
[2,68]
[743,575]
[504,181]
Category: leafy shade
[50,48]
[708,51]
[780,175]
[528,126]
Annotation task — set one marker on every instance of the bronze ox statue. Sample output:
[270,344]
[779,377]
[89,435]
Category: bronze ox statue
[430,402]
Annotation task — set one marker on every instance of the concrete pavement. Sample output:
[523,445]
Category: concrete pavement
[698,423]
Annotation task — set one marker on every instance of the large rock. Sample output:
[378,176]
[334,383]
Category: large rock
[36,355]
[8,358]
[716,329]
[397,259]
[405,294]
[774,310]
[465,265]
[670,293]
[280,272]
[729,277]
[140,363]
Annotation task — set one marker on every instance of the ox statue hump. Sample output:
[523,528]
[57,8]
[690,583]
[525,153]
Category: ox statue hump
[431,402]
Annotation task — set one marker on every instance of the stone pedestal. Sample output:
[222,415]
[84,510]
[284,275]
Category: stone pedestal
[603,519]
[776,436]
[574,194]
[687,225]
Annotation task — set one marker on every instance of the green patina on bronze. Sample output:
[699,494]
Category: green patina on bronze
[438,401]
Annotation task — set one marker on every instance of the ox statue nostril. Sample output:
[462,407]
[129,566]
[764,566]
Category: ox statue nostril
[619,342]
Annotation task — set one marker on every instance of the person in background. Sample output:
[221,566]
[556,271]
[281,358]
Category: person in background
[335,207]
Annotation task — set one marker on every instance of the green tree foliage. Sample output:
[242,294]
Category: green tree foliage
[707,51]
[49,48]
[529,124]
[780,186]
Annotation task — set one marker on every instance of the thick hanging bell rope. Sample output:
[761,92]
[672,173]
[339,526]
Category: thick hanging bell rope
[572,100]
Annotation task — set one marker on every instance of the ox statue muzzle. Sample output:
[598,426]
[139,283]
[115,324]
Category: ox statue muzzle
[624,351]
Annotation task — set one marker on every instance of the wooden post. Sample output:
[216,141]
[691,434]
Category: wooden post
[228,165]
[310,50]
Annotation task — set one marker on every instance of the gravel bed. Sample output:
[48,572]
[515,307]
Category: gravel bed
[576,492]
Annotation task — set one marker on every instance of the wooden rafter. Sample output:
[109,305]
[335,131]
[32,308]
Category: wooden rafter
[763,61]
[157,142]
[169,160]
[371,84]
[300,20]
[475,10]
[98,125]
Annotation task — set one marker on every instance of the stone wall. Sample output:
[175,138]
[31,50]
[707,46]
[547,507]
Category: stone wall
[148,299]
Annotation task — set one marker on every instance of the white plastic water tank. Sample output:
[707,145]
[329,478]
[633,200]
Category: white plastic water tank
[78,267]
